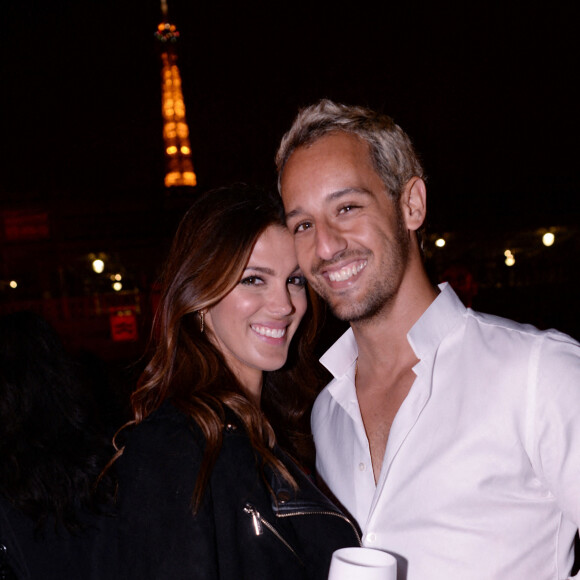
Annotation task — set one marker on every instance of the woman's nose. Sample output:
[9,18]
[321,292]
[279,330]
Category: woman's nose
[281,301]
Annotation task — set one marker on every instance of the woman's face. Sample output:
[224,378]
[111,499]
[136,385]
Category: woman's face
[254,324]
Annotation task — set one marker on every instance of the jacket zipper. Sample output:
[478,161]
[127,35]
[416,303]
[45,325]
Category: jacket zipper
[324,513]
[258,521]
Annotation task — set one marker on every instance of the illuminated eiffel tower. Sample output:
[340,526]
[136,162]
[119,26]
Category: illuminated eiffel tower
[178,164]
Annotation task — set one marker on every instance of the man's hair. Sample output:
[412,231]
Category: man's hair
[391,151]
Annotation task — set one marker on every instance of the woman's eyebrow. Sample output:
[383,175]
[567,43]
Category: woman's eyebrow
[260,269]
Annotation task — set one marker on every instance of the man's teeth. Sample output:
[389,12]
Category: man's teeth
[271,332]
[346,272]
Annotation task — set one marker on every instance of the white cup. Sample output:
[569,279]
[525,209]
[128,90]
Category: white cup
[362,564]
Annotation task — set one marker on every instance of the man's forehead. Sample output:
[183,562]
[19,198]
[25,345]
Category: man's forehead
[328,171]
[332,142]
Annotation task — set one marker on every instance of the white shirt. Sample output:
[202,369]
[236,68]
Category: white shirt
[481,474]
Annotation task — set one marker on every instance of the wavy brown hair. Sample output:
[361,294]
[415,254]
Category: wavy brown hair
[209,253]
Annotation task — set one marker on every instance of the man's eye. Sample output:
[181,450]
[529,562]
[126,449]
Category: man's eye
[346,208]
[302,226]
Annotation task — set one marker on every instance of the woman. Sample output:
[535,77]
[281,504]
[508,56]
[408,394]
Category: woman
[204,489]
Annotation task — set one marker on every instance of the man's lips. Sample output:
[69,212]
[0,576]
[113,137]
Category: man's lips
[346,272]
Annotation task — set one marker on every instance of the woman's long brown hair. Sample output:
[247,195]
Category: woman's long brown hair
[210,250]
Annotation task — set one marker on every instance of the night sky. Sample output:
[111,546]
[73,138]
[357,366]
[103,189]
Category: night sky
[486,91]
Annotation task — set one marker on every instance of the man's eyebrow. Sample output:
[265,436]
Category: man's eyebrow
[330,198]
[295,212]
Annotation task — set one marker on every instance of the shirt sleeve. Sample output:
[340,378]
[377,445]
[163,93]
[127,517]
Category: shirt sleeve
[555,378]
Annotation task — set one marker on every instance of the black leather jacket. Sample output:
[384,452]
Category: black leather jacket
[241,530]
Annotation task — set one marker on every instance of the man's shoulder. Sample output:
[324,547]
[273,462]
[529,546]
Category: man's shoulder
[549,350]
[527,332]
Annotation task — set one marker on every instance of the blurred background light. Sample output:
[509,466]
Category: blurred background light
[548,239]
[98,266]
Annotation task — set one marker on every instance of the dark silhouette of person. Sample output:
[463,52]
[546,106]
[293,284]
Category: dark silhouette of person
[54,519]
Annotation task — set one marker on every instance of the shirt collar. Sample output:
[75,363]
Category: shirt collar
[425,336]
[436,322]
[341,355]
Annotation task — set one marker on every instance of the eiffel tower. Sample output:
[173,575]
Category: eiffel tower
[178,164]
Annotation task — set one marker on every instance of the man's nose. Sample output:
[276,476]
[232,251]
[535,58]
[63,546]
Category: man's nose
[329,241]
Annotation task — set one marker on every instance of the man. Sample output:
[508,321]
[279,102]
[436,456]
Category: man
[451,436]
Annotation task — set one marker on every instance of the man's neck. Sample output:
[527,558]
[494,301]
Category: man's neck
[384,369]
[382,341]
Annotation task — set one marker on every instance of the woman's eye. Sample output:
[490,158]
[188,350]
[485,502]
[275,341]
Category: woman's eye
[251,281]
[299,281]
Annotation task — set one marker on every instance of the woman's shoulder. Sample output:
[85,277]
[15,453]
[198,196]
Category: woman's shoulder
[165,419]
[166,430]
[167,415]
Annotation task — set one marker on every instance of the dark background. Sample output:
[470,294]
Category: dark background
[487,91]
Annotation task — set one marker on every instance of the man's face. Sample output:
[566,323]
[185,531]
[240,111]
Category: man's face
[351,240]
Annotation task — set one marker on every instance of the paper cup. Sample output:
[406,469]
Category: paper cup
[362,564]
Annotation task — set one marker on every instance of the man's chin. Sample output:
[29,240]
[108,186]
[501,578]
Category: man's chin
[344,312]
[354,311]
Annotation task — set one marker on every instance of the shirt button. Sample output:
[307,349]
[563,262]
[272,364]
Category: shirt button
[361,466]
[371,538]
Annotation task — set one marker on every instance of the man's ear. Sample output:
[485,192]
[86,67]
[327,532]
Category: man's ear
[414,203]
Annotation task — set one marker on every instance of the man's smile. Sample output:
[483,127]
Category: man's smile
[346,272]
